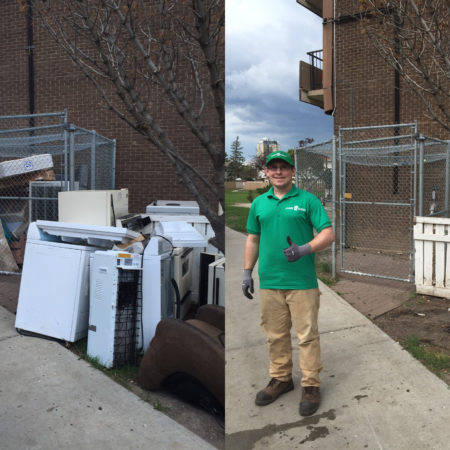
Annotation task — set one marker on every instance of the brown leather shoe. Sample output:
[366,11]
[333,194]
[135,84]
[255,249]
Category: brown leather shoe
[310,400]
[272,391]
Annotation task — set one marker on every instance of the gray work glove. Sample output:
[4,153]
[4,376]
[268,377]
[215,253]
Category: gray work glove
[247,283]
[295,252]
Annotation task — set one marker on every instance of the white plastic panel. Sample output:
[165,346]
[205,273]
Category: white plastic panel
[181,234]
[103,293]
[54,291]
[95,234]
[174,207]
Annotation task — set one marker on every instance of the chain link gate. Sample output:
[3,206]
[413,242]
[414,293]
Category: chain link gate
[381,178]
[41,155]
[377,200]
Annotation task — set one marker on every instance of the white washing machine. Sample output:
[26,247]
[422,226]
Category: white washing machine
[54,289]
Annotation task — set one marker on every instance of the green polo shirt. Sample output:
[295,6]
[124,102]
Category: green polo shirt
[295,215]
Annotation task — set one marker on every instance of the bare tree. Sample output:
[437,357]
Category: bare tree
[413,37]
[258,162]
[134,50]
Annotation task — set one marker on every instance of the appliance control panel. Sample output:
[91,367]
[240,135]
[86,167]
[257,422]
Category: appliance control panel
[128,260]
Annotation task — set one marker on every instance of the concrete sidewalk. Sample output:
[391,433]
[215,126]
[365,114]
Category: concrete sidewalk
[50,399]
[374,394]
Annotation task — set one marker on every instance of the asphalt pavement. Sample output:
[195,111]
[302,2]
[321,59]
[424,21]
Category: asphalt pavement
[375,395]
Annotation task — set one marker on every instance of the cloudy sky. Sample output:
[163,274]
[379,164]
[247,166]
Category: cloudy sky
[265,40]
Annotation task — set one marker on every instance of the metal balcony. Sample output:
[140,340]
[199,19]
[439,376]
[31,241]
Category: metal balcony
[315,6]
[311,88]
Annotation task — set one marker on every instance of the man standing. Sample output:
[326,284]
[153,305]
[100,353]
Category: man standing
[280,229]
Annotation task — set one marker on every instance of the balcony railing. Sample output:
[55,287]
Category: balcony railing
[311,79]
[316,66]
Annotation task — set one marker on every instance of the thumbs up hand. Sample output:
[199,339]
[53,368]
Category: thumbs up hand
[294,251]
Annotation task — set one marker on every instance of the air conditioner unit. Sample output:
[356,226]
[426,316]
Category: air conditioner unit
[216,282]
[173,207]
[43,197]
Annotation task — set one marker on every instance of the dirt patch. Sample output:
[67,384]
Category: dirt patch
[426,317]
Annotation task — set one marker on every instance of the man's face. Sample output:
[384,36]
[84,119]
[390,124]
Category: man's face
[280,173]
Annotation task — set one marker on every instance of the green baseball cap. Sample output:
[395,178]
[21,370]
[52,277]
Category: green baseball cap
[284,156]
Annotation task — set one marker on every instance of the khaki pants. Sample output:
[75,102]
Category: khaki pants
[280,309]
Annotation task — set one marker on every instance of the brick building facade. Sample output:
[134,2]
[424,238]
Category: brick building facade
[59,85]
[360,89]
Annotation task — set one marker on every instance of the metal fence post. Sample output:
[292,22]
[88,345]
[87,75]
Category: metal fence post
[66,158]
[447,179]
[413,201]
[333,206]
[93,155]
[72,157]
[341,202]
[421,139]
[66,144]
[113,175]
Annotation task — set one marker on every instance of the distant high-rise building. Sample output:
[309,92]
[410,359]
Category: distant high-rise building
[266,146]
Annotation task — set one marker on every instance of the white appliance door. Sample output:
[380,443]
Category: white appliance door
[103,294]
[54,291]
[157,294]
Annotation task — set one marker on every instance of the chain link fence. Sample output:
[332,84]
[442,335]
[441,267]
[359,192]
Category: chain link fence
[315,169]
[382,177]
[41,155]
[377,172]
[433,177]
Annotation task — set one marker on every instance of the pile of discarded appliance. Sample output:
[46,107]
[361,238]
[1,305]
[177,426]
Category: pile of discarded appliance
[146,284]
[17,177]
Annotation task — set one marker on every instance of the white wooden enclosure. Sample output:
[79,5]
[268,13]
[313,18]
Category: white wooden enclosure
[432,256]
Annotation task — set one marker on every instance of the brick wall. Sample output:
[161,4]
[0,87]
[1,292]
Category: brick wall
[59,85]
[362,72]
[359,64]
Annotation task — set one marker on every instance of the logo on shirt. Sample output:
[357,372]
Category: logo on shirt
[295,208]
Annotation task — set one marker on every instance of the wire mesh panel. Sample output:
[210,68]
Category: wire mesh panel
[314,170]
[314,173]
[433,177]
[377,173]
[93,159]
[128,317]
[41,155]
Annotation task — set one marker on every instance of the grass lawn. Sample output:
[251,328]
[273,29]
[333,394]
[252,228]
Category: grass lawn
[236,216]
[438,363]
[237,196]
